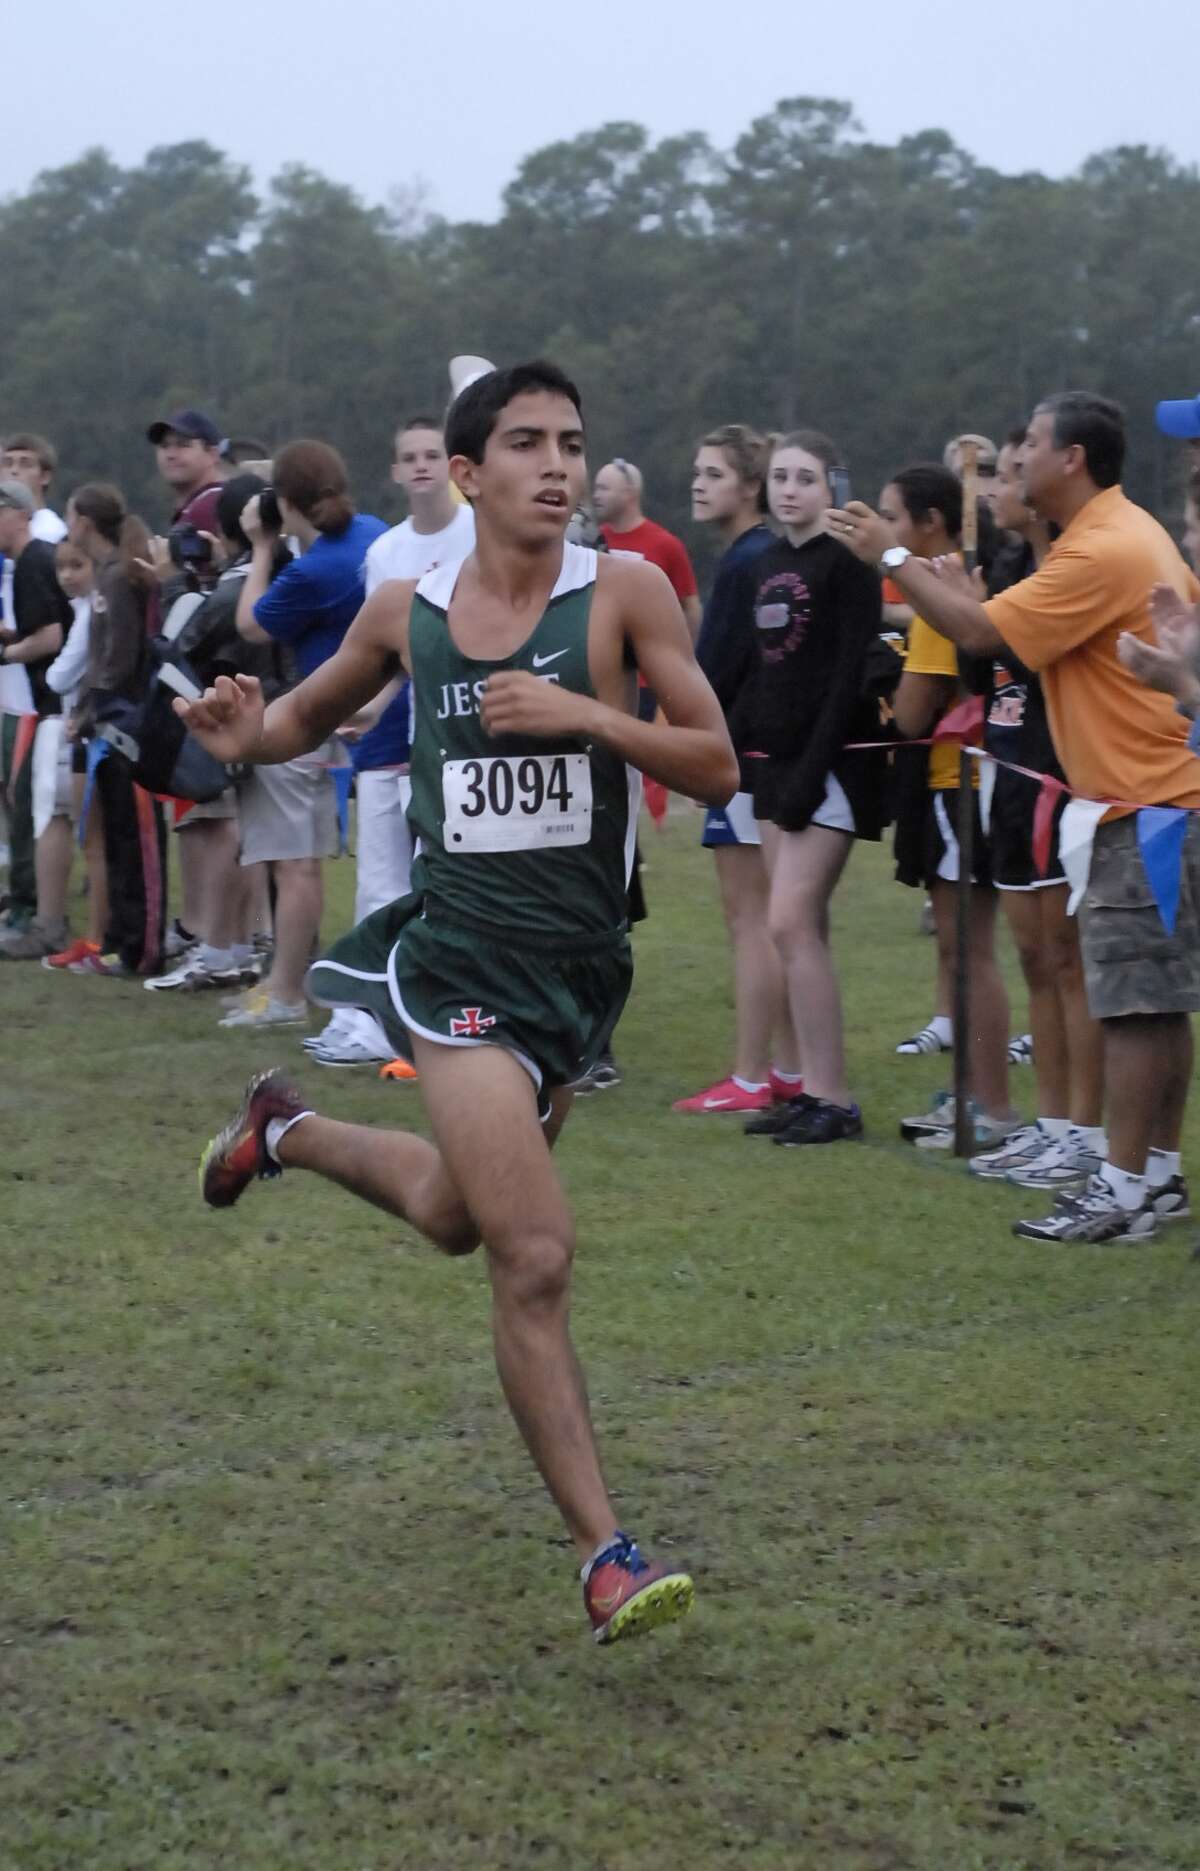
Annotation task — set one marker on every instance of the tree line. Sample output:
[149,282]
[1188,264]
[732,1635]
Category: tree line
[891,294]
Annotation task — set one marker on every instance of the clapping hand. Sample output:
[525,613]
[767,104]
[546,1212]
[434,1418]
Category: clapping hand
[1172,664]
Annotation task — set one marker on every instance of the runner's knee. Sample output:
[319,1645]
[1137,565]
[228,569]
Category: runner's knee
[532,1269]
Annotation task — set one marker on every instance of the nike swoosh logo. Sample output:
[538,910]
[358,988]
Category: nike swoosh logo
[539,662]
[716,1104]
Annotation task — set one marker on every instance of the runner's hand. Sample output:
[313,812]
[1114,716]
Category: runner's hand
[515,702]
[227,719]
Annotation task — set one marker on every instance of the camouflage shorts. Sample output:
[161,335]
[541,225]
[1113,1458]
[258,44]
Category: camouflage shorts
[1130,964]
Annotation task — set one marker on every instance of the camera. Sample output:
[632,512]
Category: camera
[189,548]
[268,510]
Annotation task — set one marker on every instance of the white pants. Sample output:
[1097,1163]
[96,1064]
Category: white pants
[384,841]
[385,852]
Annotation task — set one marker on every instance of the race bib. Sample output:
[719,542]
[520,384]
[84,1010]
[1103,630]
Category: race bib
[517,802]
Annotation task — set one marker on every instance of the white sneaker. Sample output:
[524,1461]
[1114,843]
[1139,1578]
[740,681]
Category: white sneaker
[192,977]
[1094,1215]
[177,942]
[345,1052]
[1066,1165]
[988,1133]
[1024,1146]
[263,1009]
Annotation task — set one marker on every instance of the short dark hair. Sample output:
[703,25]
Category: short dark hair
[1096,424]
[31,444]
[232,501]
[473,415]
[926,487]
[1016,435]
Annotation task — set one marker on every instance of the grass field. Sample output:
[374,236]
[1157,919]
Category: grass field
[281,1592]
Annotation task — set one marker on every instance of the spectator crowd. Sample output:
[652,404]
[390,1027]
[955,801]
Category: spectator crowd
[837,636]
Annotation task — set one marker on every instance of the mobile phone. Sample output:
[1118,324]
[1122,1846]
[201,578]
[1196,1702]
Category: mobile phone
[839,487]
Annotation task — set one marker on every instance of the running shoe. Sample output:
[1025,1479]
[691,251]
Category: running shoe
[725,1098]
[345,1051]
[819,1121]
[95,963]
[1020,1049]
[74,952]
[625,1594]
[1095,1215]
[926,1041]
[1170,1200]
[33,943]
[940,1116]
[769,1123]
[1065,1166]
[784,1089]
[399,1072]
[193,976]
[177,941]
[262,1009]
[1018,1151]
[606,1073]
[238,1153]
[987,1133]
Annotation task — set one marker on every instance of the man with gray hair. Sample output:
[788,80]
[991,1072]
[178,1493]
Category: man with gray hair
[617,502]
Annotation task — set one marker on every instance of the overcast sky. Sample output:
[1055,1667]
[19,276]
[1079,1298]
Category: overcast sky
[377,92]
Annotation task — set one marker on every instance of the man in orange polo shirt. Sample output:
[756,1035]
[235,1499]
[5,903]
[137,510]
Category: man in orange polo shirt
[1116,740]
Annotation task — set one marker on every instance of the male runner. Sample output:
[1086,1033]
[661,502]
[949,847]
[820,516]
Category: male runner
[504,972]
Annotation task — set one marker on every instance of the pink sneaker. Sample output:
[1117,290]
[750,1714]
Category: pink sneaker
[728,1096]
[783,1088]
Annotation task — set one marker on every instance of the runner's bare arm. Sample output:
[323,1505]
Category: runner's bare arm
[230,720]
[691,752]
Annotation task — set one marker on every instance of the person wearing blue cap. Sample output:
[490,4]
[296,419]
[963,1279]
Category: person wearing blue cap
[1180,419]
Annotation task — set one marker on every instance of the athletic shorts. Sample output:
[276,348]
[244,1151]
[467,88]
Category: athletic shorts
[1007,803]
[224,806]
[289,811]
[51,773]
[734,824]
[555,1010]
[854,800]
[1130,964]
[928,853]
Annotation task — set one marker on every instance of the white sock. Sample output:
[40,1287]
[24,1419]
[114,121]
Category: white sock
[1093,1138]
[1161,1165]
[746,1084]
[1055,1128]
[215,960]
[277,1130]
[1130,1190]
[788,1078]
[943,1026]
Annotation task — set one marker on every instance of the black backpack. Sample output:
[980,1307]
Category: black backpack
[165,758]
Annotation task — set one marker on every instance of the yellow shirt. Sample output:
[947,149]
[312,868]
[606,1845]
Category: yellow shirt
[931,655]
[1116,738]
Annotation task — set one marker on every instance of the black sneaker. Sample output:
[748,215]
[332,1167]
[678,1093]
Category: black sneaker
[822,1122]
[769,1123]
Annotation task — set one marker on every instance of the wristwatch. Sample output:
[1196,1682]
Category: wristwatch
[894,558]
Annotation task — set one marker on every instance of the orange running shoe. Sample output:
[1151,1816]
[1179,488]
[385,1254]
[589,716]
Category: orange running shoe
[399,1071]
[75,952]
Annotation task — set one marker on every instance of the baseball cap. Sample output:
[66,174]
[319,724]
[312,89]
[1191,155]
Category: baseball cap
[16,494]
[189,422]
[466,370]
[1180,419]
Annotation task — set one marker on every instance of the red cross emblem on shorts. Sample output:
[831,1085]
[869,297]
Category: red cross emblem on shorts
[473,1024]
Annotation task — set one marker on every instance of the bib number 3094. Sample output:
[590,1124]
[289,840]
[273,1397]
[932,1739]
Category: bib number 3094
[517,803]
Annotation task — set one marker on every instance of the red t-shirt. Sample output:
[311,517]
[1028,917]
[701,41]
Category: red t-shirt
[653,542]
